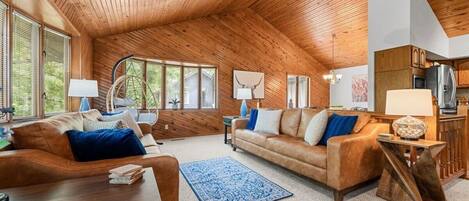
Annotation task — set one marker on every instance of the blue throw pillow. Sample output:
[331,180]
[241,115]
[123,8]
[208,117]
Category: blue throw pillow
[338,125]
[104,144]
[252,119]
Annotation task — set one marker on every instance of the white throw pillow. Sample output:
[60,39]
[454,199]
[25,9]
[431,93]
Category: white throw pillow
[268,121]
[316,127]
[127,119]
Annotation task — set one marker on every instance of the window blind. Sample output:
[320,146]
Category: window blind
[24,66]
[3,54]
[56,57]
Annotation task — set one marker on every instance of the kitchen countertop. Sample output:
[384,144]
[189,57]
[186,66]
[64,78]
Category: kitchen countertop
[451,116]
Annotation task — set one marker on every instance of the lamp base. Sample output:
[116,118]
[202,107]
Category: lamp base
[243,109]
[409,128]
[84,104]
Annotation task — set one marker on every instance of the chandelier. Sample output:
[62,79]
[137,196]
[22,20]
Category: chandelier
[332,77]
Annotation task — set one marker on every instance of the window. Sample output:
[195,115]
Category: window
[155,81]
[303,91]
[208,88]
[56,61]
[191,86]
[173,86]
[291,97]
[3,56]
[35,80]
[134,70]
[297,91]
[24,66]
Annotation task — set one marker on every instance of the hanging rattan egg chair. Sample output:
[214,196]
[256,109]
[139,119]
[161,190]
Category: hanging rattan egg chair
[132,93]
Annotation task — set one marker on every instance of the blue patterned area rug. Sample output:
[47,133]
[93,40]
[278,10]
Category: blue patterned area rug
[228,180]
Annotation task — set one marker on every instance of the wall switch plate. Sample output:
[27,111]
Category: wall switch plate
[166,126]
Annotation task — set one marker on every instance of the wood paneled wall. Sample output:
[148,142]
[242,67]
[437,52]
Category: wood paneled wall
[240,40]
[81,48]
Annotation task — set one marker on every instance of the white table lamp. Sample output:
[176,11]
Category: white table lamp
[409,102]
[244,94]
[83,89]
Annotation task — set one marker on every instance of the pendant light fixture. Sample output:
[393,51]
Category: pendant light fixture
[332,77]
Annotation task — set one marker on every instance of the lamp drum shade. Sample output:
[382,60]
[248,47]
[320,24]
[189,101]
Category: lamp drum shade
[244,94]
[411,102]
[83,88]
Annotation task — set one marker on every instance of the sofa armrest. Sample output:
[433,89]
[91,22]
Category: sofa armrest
[356,158]
[240,123]
[145,127]
[32,166]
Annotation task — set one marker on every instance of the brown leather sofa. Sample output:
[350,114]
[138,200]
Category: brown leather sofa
[42,154]
[344,163]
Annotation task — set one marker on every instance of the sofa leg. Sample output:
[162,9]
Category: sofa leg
[338,195]
[234,148]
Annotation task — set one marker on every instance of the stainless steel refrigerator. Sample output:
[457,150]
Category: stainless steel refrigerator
[442,81]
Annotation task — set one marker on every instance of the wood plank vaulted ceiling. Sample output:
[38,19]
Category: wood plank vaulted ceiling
[453,15]
[308,23]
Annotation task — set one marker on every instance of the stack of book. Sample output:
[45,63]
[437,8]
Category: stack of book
[127,174]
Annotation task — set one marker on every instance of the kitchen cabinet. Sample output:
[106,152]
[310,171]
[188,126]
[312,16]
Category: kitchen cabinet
[384,81]
[422,58]
[395,69]
[415,57]
[462,67]
[400,58]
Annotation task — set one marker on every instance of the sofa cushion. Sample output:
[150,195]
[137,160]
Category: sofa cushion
[363,119]
[104,144]
[306,116]
[296,148]
[148,140]
[253,137]
[290,122]
[93,114]
[338,125]
[48,134]
[316,128]
[92,125]
[127,118]
[268,121]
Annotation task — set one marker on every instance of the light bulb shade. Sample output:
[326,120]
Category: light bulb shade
[83,88]
[338,77]
[244,94]
[412,102]
[332,77]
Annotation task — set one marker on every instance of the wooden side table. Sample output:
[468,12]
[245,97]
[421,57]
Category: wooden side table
[410,176]
[89,188]
[227,122]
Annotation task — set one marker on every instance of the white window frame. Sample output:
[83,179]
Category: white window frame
[67,61]
[297,91]
[164,105]
[38,63]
